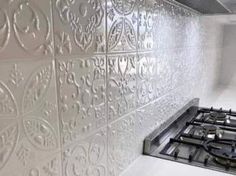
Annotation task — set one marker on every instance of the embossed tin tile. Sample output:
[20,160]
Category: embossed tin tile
[146,77]
[87,157]
[164,22]
[173,26]
[81,84]
[146,122]
[122,21]
[28,113]
[146,17]
[121,144]
[182,66]
[79,27]
[192,32]
[170,103]
[25,26]
[164,72]
[35,167]
[121,84]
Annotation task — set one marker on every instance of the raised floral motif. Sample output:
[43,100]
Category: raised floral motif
[124,6]
[49,168]
[8,140]
[146,23]
[122,21]
[121,85]
[31,24]
[40,134]
[82,96]
[122,32]
[7,102]
[4,29]
[63,43]
[36,87]
[84,17]
[52,168]
[23,155]
[146,78]
[16,76]
[86,160]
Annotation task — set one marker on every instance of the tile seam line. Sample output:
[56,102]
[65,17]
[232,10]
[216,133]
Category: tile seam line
[57,87]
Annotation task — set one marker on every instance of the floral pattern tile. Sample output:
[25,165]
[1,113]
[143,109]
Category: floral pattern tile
[121,85]
[122,21]
[47,167]
[28,113]
[25,26]
[79,27]
[146,122]
[146,77]
[164,73]
[81,86]
[87,157]
[146,24]
[121,144]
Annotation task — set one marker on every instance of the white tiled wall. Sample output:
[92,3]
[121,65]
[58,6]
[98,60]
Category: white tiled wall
[82,82]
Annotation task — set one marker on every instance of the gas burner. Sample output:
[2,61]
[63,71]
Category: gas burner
[224,151]
[218,116]
[209,129]
[212,132]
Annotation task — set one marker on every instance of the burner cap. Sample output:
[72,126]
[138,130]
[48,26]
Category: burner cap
[218,115]
[210,129]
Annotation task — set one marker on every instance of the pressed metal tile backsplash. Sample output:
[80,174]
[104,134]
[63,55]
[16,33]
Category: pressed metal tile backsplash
[82,82]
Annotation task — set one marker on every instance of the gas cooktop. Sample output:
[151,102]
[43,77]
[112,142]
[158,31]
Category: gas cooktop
[204,137]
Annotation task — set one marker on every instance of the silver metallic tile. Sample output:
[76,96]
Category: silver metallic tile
[25,26]
[87,157]
[28,114]
[122,20]
[164,72]
[79,27]
[146,77]
[146,24]
[121,86]
[81,86]
[47,167]
[121,144]
[146,122]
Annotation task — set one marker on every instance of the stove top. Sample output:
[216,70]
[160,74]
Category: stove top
[204,137]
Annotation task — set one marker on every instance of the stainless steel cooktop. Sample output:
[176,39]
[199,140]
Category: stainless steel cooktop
[204,137]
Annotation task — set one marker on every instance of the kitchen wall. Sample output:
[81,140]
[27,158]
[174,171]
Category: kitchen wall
[82,82]
[227,72]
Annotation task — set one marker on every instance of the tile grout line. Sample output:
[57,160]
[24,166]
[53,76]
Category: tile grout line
[106,88]
[57,88]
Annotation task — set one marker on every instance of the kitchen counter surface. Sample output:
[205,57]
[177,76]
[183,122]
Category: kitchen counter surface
[222,96]
[150,166]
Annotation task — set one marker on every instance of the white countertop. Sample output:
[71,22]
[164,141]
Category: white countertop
[222,96]
[150,166]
